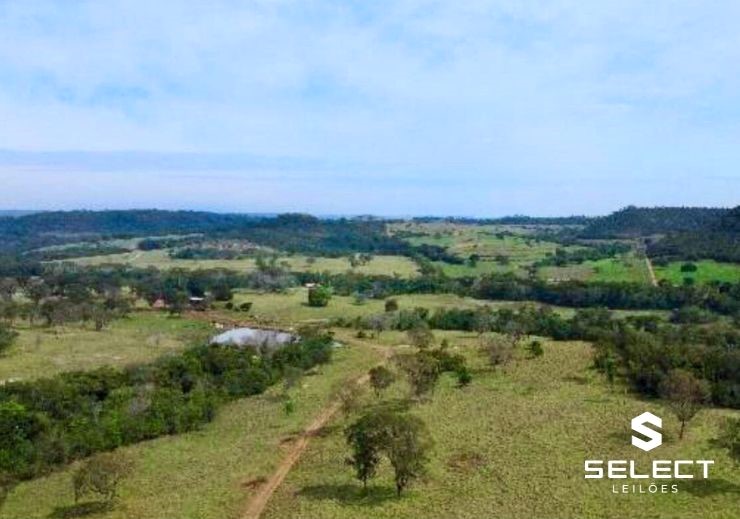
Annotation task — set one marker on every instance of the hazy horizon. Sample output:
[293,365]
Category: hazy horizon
[390,108]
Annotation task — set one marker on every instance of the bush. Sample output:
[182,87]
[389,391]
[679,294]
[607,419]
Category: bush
[689,267]
[391,305]
[319,296]
[7,337]
[101,475]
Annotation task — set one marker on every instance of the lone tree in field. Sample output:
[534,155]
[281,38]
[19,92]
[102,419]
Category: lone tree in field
[101,475]
[402,438]
[380,378]
[420,335]
[498,350]
[364,438]
[407,445]
[730,438]
[391,305]
[319,296]
[685,394]
[535,349]
[422,370]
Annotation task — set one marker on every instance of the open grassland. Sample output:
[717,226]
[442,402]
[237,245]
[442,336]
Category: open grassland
[512,445]
[379,265]
[41,351]
[627,268]
[707,270]
[207,474]
[488,245]
[290,308]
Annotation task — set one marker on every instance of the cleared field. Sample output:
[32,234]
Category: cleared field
[207,474]
[385,265]
[628,268]
[512,445]
[143,336]
[488,241]
[290,308]
[707,270]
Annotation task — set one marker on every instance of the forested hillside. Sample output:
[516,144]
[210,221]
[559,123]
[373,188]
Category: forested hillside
[632,222]
[288,232]
[719,241]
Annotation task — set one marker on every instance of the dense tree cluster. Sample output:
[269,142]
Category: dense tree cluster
[634,222]
[47,422]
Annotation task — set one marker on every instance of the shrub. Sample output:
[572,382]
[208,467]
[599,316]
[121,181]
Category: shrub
[101,475]
[319,296]
[380,379]
[391,305]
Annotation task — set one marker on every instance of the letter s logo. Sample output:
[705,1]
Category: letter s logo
[638,425]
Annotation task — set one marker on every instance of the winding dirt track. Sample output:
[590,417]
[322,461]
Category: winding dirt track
[257,503]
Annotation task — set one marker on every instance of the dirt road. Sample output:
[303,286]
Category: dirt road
[653,279]
[259,500]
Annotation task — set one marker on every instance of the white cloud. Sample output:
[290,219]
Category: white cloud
[406,96]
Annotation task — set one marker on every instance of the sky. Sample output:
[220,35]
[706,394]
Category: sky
[410,107]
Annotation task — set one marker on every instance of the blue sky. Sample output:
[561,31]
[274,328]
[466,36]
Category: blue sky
[394,108]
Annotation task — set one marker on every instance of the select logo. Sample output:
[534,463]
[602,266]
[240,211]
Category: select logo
[655,471]
[638,425]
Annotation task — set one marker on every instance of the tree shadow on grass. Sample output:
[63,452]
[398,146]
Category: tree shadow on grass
[80,510]
[709,487]
[349,494]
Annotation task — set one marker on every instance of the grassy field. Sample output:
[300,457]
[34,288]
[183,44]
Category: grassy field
[289,308]
[207,474]
[512,445]
[708,270]
[487,244]
[143,336]
[627,268]
[387,265]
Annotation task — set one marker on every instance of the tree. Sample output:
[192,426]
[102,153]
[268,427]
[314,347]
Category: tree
[402,438]
[391,305]
[420,335]
[422,370]
[380,379]
[535,349]
[101,475]
[685,394]
[177,302]
[7,337]
[319,296]
[407,445]
[349,395]
[498,350]
[363,437]
[464,377]
[730,438]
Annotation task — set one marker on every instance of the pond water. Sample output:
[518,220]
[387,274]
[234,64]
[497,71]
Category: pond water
[254,337]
